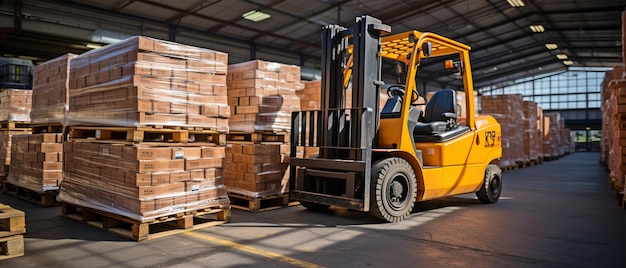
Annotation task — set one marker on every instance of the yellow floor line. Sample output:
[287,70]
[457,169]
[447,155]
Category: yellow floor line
[252,250]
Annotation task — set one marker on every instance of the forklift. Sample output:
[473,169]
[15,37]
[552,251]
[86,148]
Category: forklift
[382,160]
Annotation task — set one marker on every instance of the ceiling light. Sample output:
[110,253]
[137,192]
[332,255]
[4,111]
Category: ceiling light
[561,56]
[256,16]
[516,3]
[551,46]
[568,62]
[93,46]
[27,58]
[537,28]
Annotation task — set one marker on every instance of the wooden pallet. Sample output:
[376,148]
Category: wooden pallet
[12,228]
[127,134]
[47,128]
[42,198]
[149,229]
[12,221]
[15,125]
[145,135]
[259,204]
[510,168]
[207,136]
[257,137]
[11,246]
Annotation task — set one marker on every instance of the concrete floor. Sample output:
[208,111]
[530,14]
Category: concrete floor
[559,214]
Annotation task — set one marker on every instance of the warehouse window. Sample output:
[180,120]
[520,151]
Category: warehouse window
[578,88]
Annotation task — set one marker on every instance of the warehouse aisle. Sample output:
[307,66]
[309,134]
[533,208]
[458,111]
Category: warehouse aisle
[559,214]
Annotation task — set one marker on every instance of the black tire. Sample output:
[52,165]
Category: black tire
[492,186]
[393,189]
[314,206]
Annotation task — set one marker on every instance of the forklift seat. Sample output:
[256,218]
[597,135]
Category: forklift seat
[439,121]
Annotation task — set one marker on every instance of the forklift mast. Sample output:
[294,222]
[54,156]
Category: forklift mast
[343,132]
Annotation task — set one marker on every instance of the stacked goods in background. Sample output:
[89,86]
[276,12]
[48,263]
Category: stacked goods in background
[507,110]
[148,82]
[256,170]
[311,95]
[50,91]
[529,130]
[38,158]
[262,96]
[609,113]
[539,141]
[614,116]
[566,139]
[552,145]
[37,162]
[15,107]
[143,182]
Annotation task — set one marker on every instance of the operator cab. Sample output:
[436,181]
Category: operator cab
[436,122]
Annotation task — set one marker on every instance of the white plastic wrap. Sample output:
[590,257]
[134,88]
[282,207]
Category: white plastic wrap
[262,95]
[15,105]
[36,161]
[50,86]
[141,182]
[148,82]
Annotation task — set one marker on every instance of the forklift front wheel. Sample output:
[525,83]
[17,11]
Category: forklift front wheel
[394,189]
[491,188]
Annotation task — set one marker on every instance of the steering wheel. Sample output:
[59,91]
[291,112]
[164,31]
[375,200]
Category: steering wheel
[398,90]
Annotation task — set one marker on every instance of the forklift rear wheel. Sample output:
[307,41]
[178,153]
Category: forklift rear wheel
[492,186]
[394,189]
[314,206]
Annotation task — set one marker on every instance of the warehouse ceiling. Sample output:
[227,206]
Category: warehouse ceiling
[508,42]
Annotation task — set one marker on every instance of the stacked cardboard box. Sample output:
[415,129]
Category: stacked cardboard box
[262,95]
[256,170]
[148,82]
[551,135]
[310,96]
[609,111]
[143,182]
[615,113]
[507,110]
[15,105]
[5,150]
[36,161]
[529,134]
[539,141]
[566,138]
[50,86]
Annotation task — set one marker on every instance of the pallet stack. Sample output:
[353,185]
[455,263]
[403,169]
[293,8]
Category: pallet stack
[530,133]
[262,95]
[145,121]
[310,96]
[147,82]
[11,232]
[50,93]
[38,158]
[539,141]
[37,168]
[15,106]
[614,114]
[507,110]
[551,136]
